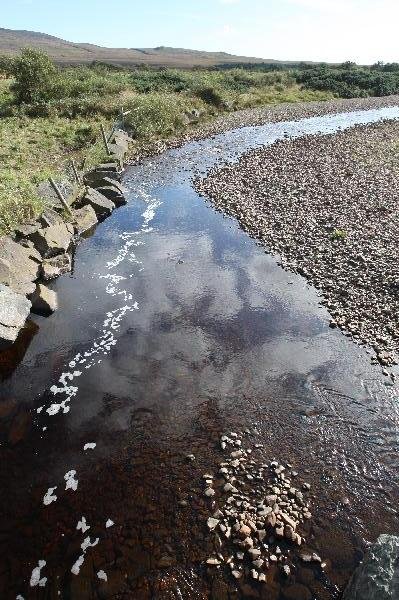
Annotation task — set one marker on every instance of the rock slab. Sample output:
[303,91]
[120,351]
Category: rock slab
[52,240]
[85,218]
[377,578]
[14,310]
[19,266]
[101,205]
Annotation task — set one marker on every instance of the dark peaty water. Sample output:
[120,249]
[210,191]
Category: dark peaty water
[173,328]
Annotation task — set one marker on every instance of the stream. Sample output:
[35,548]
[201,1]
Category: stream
[174,327]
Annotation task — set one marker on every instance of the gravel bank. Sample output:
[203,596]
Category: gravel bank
[328,206]
[260,116]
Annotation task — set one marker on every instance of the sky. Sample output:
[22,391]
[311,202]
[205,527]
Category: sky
[321,30]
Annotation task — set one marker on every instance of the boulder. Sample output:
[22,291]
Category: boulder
[56,266]
[85,218]
[19,266]
[113,194]
[47,192]
[104,181]
[53,240]
[14,310]
[118,150]
[44,301]
[377,578]
[101,205]
[94,178]
[23,231]
[50,217]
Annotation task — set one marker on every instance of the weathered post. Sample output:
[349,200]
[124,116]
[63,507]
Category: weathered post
[60,196]
[105,140]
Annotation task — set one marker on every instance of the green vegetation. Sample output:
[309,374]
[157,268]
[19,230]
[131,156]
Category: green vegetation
[49,115]
[339,234]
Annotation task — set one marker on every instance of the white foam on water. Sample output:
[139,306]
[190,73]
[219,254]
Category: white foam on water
[76,566]
[87,543]
[89,446]
[49,496]
[112,322]
[36,578]
[70,482]
[102,575]
[109,523]
[82,524]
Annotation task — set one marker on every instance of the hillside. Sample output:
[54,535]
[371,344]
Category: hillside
[64,52]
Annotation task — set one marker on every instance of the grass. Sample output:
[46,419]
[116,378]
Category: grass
[39,139]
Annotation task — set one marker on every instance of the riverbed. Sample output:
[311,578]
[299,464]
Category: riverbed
[175,327]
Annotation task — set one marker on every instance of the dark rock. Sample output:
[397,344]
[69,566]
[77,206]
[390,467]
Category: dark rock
[19,266]
[85,218]
[14,310]
[113,194]
[97,177]
[106,181]
[53,240]
[377,578]
[56,266]
[44,301]
[101,205]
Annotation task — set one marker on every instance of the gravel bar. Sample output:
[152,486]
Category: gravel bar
[328,206]
[260,116]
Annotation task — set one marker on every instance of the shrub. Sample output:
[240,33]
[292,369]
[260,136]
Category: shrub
[152,115]
[34,74]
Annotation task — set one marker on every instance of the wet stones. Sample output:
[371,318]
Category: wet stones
[249,518]
[14,310]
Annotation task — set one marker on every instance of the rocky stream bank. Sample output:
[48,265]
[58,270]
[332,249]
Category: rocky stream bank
[41,250]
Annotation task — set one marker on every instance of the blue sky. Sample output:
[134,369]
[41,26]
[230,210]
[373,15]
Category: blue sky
[331,30]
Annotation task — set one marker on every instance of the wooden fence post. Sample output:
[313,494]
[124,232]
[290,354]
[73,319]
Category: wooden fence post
[60,196]
[105,140]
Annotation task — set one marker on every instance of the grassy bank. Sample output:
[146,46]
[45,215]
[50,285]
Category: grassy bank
[48,115]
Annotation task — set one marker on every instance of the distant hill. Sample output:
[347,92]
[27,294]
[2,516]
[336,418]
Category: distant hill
[64,52]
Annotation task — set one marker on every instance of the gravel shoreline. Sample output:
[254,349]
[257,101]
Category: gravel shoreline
[260,116]
[328,206]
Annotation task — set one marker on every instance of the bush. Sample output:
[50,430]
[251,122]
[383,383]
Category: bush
[35,75]
[153,115]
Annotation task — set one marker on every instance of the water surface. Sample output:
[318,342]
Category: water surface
[173,327]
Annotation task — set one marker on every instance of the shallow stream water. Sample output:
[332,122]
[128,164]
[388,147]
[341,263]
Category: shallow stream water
[175,327]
